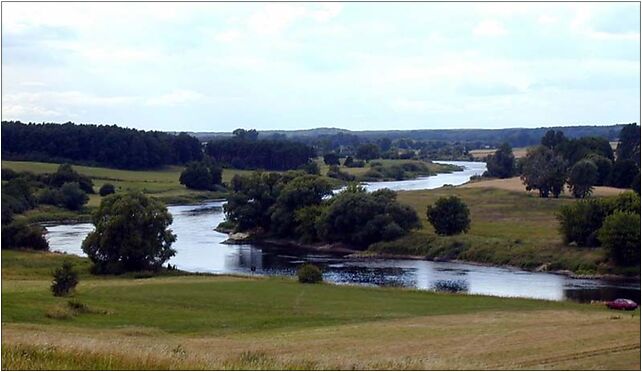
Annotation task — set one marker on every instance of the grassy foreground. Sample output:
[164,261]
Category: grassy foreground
[224,322]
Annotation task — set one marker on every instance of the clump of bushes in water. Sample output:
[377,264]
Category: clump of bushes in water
[65,280]
[297,205]
[309,273]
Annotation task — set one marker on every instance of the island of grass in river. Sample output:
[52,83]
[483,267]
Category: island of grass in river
[224,322]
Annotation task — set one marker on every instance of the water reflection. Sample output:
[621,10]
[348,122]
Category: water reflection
[199,249]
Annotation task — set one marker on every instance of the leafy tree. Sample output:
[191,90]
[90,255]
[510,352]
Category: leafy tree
[65,280]
[544,171]
[582,176]
[309,273]
[311,167]
[620,235]
[248,205]
[368,151]
[553,138]
[19,234]
[623,173]
[579,222]
[17,196]
[72,196]
[241,133]
[331,159]
[360,218]
[604,166]
[131,234]
[449,216]
[201,175]
[627,202]
[106,189]
[502,163]
[66,173]
[242,153]
[629,146]
[581,148]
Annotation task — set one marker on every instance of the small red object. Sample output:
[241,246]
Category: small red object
[622,304]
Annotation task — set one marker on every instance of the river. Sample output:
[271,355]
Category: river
[199,249]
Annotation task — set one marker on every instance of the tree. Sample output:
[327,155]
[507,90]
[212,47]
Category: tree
[553,138]
[72,197]
[368,151]
[544,171]
[629,146]
[65,280]
[623,173]
[449,216]
[131,233]
[582,176]
[309,273]
[620,235]
[106,189]
[311,167]
[66,173]
[580,221]
[19,234]
[331,159]
[604,166]
[201,175]
[502,163]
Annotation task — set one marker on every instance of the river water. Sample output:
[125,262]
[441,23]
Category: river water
[199,249]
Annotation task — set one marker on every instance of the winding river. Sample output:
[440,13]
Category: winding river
[200,249]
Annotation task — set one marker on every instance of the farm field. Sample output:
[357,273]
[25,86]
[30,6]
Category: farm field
[212,322]
[481,154]
[515,184]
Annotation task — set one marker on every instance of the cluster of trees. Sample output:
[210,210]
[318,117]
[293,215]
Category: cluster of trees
[202,175]
[245,151]
[110,146]
[613,223]
[24,191]
[301,206]
[501,164]
[581,163]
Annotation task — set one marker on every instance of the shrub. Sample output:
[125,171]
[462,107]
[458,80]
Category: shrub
[66,173]
[582,176]
[50,196]
[311,167]
[65,280]
[201,175]
[620,235]
[19,234]
[72,196]
[131,234]
[449,216]
[580,221]
[309,273]
[106,189]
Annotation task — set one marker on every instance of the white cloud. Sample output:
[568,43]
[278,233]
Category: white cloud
[327,11]
[176,97]
[275,18]
[489,28]
[228,36]
[546,20]
[581,24]
[65,98]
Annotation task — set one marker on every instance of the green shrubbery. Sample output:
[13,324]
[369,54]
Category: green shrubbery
[449,216]
[620,235]
[201,175]
[19,234]
[106,189]
[65,280]
[309,273]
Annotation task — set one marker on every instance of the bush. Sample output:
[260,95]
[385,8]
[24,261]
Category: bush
[449,216]
[582,176]
[311,167]
[131,234]
[72,196]
[50,196]
[309,273]
[19,234]
[65,280]
[580,221]
[620,235]
[201,175]
[106,189]
[66,173]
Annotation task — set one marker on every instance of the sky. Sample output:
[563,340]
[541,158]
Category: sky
[359,66]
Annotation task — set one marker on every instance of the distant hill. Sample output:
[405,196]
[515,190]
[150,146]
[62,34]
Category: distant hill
[517,137]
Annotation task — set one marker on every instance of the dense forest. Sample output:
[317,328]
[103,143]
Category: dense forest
[243,152]
[110,146]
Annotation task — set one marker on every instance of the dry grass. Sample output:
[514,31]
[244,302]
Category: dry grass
[481,154]
[515,184]
[494,340]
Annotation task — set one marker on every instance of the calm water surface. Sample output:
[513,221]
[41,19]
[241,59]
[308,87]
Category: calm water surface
[199,249]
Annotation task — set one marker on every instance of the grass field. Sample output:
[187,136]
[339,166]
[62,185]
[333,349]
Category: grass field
[516,184]
[507,228]
[222,322]
[481,154]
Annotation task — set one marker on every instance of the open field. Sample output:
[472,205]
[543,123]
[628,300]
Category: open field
[515,184]
[212,322]
[481,154]
[507,228]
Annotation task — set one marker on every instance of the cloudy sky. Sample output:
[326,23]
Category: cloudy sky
[219,66]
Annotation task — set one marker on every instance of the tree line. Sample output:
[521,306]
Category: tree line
[103,145]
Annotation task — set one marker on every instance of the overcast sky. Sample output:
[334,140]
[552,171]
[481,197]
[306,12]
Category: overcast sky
[220,66]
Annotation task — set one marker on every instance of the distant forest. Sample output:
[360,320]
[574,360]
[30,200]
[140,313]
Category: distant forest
[110,146]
